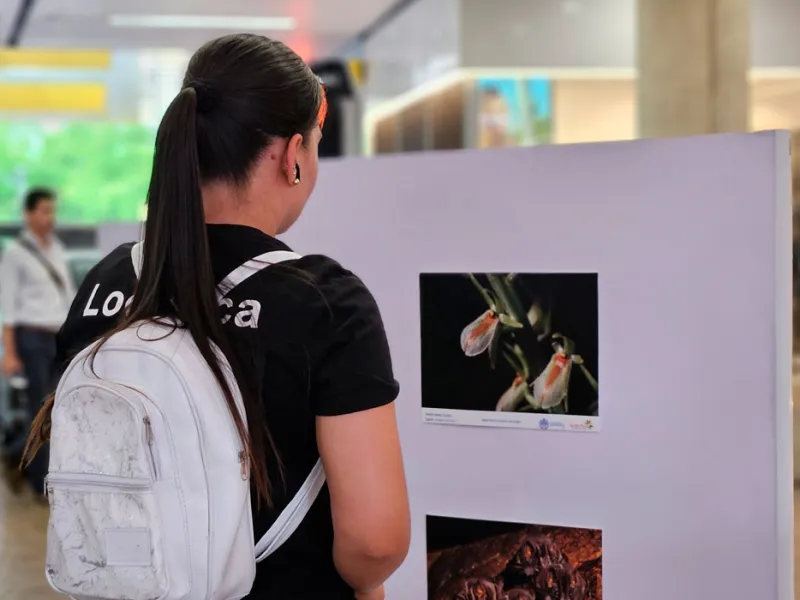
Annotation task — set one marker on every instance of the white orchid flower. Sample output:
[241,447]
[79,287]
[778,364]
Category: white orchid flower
[478,335]
[512,397]
[551,386]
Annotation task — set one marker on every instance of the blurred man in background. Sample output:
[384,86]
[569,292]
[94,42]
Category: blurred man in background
[35,294]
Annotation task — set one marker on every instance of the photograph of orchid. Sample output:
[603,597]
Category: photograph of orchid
[510,342]
[490,560]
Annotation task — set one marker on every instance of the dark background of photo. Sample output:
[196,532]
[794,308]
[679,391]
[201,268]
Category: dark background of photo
[450,302]
[449,532]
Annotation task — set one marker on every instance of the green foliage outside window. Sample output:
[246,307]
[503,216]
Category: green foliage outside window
[100,169]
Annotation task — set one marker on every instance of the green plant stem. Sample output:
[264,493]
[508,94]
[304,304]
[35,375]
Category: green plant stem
[523,361]
[483,291]
[510,321]
[511,359]
[500,290]
[592,381]
[499,293]
[514,302]
[504,287]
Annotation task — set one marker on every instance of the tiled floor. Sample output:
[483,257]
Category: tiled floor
[22,543]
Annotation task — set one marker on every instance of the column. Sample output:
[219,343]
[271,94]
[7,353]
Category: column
[693,59]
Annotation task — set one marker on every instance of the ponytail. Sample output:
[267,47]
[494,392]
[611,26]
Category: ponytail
[177,278]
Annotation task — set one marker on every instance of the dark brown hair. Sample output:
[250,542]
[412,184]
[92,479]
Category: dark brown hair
[240,93]
[37,195]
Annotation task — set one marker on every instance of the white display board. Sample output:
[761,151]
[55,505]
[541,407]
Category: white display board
[690,476]
[688,241]
[111,235]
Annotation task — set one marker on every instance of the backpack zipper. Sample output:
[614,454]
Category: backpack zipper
[244,465]
[98,483]
[151,450]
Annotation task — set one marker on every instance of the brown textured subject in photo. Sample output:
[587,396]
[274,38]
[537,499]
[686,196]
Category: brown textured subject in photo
[531,563]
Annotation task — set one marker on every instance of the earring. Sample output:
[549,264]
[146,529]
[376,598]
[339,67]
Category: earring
[296,173]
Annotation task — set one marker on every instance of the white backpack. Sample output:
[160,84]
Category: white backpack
[148,484]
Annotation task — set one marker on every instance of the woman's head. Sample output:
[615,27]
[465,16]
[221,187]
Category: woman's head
[237,145]
[259,111]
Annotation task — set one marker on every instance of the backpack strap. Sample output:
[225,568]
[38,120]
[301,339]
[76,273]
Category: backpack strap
[251,267]
[235,277]
[294,513]
[136,258]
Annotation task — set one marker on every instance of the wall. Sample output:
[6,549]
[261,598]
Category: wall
[600,110]
[775,104]
[597,34]
[593,111]
[547,33]
[774,40]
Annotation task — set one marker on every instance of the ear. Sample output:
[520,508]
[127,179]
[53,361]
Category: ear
[292,157]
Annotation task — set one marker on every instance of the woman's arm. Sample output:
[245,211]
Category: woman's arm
[352,395]
[369,502]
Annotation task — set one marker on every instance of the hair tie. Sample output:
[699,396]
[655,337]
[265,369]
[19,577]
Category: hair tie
[207,97]
[323,106]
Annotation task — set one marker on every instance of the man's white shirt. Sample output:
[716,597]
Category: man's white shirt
[28,294]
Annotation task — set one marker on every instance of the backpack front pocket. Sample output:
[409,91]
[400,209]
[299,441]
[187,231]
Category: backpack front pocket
[104,538]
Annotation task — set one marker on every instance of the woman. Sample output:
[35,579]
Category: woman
[235,162]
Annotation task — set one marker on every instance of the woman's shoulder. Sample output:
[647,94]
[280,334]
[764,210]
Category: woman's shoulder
[324,300]
[327,271]
[338,287]
[353,366]
[99,300]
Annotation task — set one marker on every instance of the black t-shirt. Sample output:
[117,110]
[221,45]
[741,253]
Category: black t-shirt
[319,341]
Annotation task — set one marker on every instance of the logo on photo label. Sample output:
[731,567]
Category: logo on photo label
[544,424]
[587,425]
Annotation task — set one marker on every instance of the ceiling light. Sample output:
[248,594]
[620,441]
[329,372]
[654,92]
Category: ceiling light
[203,22]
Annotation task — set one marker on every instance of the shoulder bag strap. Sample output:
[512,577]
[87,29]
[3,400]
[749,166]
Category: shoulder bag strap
[55,276]
[294,513]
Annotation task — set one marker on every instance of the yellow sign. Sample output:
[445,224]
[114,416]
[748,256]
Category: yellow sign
[53,97]
[357,70]
[55,59]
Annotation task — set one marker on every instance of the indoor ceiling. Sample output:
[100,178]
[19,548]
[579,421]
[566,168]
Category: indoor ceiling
[320,26]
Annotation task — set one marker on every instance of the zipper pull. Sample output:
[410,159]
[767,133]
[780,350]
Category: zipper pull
[148,430]
[243,463]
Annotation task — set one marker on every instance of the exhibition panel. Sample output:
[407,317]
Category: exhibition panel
[511,282]
[110,235]
[690,242]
